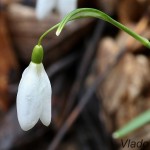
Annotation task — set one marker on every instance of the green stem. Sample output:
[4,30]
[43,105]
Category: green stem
[90,12]
[45,33]
[133,125]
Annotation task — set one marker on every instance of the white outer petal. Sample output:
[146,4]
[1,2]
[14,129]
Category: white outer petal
[46,99]
[30,96]
[66,6]
[44,7]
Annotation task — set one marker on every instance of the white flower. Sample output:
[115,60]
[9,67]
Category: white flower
[44,7]
[34,97]
[66,6]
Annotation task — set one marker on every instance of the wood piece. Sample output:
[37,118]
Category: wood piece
[108,6]
[125,87]
[8,62]
[131,11]
[141,28]
[132,74]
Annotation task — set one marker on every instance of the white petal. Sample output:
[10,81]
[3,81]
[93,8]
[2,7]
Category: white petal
[66,6]
[44,7]
[29,104]
[46,99]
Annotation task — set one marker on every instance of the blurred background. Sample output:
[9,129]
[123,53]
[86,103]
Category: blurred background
[100,76]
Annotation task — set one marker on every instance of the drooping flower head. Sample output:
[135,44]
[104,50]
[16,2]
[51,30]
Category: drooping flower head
[34,93]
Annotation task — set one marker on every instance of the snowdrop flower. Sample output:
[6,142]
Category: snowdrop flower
[34,93]
[66,6]
[44,7]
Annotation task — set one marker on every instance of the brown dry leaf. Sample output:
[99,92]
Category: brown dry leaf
[122,92]
[131,11]
[8,62]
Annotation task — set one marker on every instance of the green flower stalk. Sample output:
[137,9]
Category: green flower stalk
[90,12]
[34,92]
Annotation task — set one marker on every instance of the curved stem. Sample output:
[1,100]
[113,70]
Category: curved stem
[90,12]
[45,33]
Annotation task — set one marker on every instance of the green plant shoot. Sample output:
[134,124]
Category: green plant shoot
[90,12]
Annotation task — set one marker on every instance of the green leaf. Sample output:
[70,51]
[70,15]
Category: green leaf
[90,12]
[133,125]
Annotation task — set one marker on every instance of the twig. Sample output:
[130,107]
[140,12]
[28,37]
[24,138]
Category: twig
[97,139]
[84,100]
[90,51]
[62,64]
